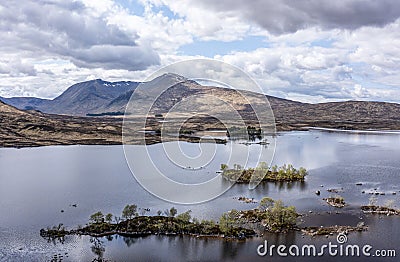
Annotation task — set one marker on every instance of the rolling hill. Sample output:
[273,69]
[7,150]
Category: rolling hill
[61,120]
[20,128]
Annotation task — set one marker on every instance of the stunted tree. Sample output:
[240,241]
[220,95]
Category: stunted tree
[263,166]
[265,203]
[208,226]
[96,218]
[129,212]
[173,212]
[185,217]
[227,221]
[280,216]
[224,167]
[302,171]
[281,173]
[109,218]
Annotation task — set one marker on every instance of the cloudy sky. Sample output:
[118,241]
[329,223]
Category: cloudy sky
[306,50]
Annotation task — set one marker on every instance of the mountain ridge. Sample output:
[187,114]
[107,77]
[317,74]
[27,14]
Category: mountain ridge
[79,99]
[98,98]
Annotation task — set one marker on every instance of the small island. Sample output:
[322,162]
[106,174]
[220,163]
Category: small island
[167,222]
[270,216]
[382,210]
[387,209]
[324,231]
[251,132]
[285,173]
[336,201]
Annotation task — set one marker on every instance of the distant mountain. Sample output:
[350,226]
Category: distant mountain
[85,98]
[289,115]
[79,99]
[24,103]
[101,98]
[178,88]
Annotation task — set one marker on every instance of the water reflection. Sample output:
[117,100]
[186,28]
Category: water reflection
[98,249]
[129,241]
[230,249]
[97,179]
[301,185]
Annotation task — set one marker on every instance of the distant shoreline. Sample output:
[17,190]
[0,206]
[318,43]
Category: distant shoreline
[372,132]
[155,139]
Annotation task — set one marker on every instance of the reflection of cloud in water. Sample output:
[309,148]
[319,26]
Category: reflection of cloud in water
[305,149]
[391,140]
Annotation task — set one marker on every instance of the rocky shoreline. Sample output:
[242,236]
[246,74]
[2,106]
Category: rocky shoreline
[337,201]
[381,210]
[331,230]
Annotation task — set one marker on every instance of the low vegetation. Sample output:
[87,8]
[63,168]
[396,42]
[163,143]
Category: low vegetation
[336,201]
[131,224]
[270,216]
[386,209]
[250,131]
[323,231]
[380,210]
[263,173]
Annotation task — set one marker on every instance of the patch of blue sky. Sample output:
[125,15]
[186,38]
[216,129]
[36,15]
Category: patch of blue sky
[359,71]
[165,11]
[213,47]
[326,43]
[53,62]
[132,5]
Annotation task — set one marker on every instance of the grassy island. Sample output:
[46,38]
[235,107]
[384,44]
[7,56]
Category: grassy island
[336,201]
[270,216]
[263,173]
[131,224]
[323,231]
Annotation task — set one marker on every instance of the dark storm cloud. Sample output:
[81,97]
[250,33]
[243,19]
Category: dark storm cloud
[72,31]
[110,57]
[288,16]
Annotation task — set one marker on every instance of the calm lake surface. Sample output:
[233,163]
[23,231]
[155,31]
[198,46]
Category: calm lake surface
[36,184]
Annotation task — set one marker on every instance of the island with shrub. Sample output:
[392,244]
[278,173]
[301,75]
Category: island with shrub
[285,173]
[270,216]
